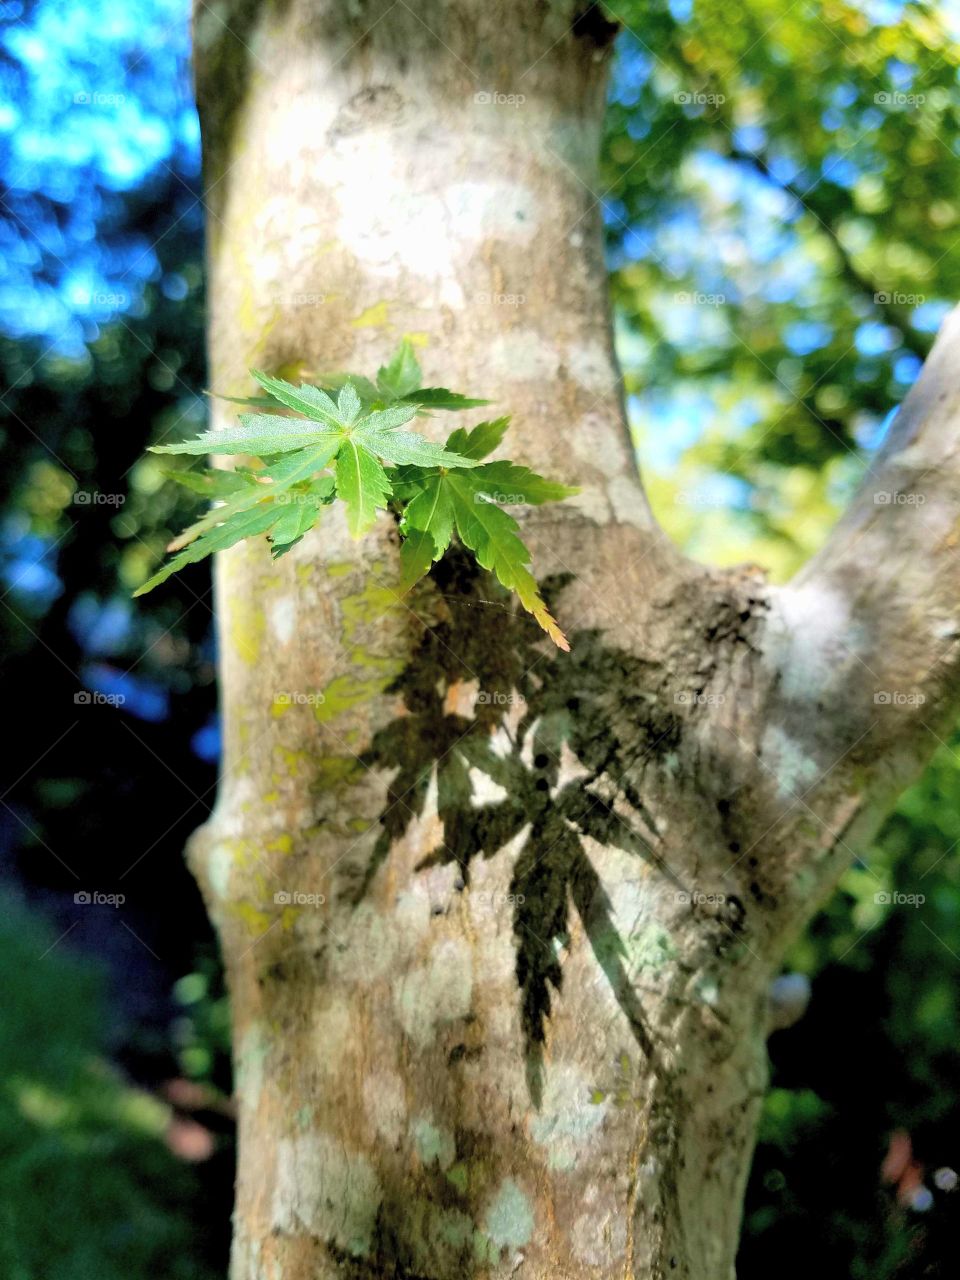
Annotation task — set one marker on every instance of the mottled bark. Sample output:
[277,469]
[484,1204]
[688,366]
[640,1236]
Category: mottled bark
[499,922]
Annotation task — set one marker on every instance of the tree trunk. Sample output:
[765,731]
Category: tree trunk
[499,922]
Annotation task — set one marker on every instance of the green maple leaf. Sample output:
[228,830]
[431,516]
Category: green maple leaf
[210,484]
[492,535]
[417,554]
[441,398]
[284,515]
[244,524]
[261,435]
[363,485]
[347,443]
[479,441]
[299,515]
[400,380]
[397,382]
[348,404]
[402,375]
[310,401]
[331,432]
[439,502]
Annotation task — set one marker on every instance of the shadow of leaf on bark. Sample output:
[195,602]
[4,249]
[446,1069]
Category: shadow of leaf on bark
[546,730]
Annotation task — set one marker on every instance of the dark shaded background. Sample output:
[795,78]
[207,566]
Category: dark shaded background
[780,188]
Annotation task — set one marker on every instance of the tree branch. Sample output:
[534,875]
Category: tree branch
[894,554]
[865,641]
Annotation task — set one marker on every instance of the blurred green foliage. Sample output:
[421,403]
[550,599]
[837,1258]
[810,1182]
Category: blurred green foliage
[876,1053]
[201,1032]
[89,1189]
[781,189]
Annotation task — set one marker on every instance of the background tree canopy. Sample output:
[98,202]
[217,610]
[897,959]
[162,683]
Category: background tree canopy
[780,194]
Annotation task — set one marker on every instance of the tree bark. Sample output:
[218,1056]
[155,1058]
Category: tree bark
[499,922]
